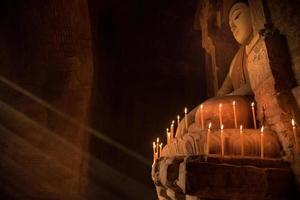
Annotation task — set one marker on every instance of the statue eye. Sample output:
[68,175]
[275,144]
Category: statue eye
[237,16]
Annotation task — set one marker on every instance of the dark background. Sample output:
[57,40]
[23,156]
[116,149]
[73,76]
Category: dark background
[148,65]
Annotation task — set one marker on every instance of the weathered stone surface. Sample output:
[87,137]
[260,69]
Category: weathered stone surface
[272,88]
[284,15]
[227,178]
[217,41]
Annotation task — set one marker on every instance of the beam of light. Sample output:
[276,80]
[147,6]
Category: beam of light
[99,135]
[97,168]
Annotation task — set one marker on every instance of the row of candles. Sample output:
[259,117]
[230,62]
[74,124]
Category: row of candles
[170,135]
[241,141]
[234,115]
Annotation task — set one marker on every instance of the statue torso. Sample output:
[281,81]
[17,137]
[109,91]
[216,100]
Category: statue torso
[238,70]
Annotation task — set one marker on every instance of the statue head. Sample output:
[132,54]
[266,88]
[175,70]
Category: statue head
[240,22]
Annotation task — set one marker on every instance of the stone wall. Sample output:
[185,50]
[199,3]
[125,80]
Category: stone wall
[48,52]
[217,40]
[285,16]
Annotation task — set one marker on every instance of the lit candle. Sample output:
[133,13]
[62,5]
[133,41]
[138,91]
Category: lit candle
[253,115]
[154,151]
[208,138]
[185,119]
[157,146]
[220,114]
[234,114]
[178,121]
[172,130]
[160,147]
[201,113]
[168,137]
[222,140]
[295,136]
[242,140]
[262,142]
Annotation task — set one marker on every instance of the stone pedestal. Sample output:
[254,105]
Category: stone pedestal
[213,177]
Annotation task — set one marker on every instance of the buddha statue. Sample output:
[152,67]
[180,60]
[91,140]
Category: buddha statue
[251,76]
[231,108]
[236,86]
[237,79]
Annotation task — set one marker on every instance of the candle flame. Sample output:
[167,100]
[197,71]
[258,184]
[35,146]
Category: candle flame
[233,103]
[167,130]
[154,145]
[252,104]
[222,127]
[172,125]
[293,122]
[173,122]
[209,125]
[157,140]
[185,110]
[178,117]
[160,145]
[262,129]
[201,106]
[241,127]
[220,106]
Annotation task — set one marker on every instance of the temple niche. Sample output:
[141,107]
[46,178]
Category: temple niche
[242,144]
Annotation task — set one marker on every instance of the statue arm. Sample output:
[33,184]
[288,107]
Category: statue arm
[226,87]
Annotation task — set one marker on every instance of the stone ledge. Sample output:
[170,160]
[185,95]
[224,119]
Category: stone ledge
[225,177]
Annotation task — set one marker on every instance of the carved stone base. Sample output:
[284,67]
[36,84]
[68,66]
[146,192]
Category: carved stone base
[213,177]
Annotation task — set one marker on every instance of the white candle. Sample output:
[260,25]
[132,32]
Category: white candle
[220,115]
[157,146]
[234,114]
[172,130]
[168,137]
[208,139]
[154,152]
[201,114]
[242,140]
[295,136]
[222,140]
[253,115]
[160,147]
[262,142]
[185,119]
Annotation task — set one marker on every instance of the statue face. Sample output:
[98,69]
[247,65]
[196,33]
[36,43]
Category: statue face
[240,22]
